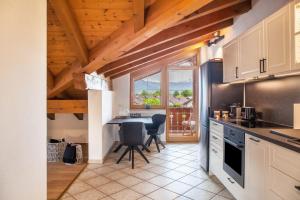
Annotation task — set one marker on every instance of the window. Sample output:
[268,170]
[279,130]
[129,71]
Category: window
[147,91]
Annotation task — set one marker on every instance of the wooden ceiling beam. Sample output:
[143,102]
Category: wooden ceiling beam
[69,24]
[139,14]
[79,116]
[51,116]
[159,55]
[223,10]
[183,40]
[160,15]
[162,61]
[67,106]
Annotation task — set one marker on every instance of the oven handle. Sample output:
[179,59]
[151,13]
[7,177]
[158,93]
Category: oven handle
[234,144]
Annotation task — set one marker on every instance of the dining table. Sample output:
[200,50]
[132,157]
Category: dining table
[122,119]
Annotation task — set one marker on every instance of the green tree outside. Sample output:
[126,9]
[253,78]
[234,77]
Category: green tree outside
[152,101]
[187,93]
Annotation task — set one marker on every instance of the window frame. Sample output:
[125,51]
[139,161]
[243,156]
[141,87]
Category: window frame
[143,74]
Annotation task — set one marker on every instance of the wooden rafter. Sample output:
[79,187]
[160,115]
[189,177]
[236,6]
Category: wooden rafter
[67,20]
[159,55]
[167,59]
[160,15]
[139,14]
[223,10]
[79,116]
[51,116]
[67,106]
[174,44]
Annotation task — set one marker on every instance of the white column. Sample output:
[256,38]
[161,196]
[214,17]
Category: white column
[95,126]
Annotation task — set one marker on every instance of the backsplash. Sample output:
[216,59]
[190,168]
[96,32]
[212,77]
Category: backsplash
[274,99]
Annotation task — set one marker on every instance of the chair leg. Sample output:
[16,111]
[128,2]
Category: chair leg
[160,142]
[156,142]
[132,151]
[130,154]
[148,141]
[141,153]
[145,148]
[125,152]
[151,138]
[118,148]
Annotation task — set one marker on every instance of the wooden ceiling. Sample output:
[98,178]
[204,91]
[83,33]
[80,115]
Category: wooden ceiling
[115,37]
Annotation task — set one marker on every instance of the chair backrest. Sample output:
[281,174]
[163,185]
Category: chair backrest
[158,119]
[132,133]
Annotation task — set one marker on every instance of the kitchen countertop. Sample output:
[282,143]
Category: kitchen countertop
[265,134]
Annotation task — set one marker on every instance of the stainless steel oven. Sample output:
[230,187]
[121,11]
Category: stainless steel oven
[234,154]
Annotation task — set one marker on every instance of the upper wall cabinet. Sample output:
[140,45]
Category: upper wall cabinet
[265,49]
[231,62]
[295,12]
[277,42]
[251,51]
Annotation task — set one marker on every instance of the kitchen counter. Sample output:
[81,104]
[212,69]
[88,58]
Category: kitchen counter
[265,134]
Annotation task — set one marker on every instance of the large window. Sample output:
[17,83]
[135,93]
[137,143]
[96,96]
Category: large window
[146,91]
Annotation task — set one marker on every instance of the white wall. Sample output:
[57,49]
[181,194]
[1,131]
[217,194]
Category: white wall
[260,10]
[69,127]
[23,168]
[100,135]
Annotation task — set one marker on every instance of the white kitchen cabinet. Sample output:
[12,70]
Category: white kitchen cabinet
[277,42]
[256,160]
[295,34]
[230,62]
[251,52]
[216,148]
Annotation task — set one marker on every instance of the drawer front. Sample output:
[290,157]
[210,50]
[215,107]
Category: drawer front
[215,162]
[216,128]
[216,140]
[283,185]
[215,150]
[286,161]
[233,187]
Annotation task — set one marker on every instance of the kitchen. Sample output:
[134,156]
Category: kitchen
[252,146]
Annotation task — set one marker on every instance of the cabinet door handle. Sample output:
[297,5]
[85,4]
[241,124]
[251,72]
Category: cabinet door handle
[255,140]
[214,150]
[236,72]
[260,66]
[264,65]
[297,187]
[229,179]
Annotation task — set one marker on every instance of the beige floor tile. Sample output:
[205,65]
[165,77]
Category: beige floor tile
[185,169]
[200,174]
[191,180]
[193,164]
[180,161]
[144,188]
[198,194]
[225,193]
[87,175]
[65,195]
[145,198]
[145,175]
[217,197]
[104,170]
[116,175]
[162,194]
[161,181]
[94,166]
[129,181]
[170,165]
[158,169]
[130,171]
[182,198]
[178,187]
[111,187]
[68,198]
[97,181]
[211,186]
[174,174]
[107,198]
[78,187]
[90,195]
[126,194]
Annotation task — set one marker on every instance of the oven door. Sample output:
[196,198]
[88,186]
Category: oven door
[234,159]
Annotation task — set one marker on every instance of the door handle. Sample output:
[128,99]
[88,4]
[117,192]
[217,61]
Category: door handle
[214,150]
[255,140]
[214,137]
[260,66]
[264,64]
[236,72]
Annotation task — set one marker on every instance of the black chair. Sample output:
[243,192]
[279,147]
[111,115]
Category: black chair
[132,134]
[155,129]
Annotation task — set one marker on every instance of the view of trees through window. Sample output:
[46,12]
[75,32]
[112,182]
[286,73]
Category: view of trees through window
[147,90]
[180,88]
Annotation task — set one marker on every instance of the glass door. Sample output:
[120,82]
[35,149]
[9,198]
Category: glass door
[182,105]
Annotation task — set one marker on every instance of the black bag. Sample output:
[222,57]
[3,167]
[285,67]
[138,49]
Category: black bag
[70,154]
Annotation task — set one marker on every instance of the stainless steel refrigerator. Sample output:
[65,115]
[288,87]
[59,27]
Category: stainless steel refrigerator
[214,96]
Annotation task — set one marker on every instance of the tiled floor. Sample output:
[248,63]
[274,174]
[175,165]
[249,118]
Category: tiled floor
[172,174]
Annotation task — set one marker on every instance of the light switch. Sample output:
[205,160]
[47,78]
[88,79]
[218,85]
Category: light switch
[296,116]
